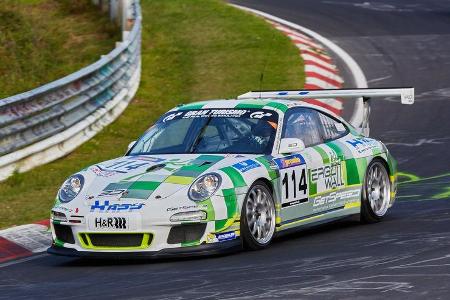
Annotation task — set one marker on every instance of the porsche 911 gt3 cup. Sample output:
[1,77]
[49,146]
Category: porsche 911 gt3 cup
[216,175]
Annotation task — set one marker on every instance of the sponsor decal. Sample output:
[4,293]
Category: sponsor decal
[221,112]
[105,206]
[259,115]
[293,203]
[361,145]
[294,186]
[172,116]
[335,199]
[187,207]
[111,223]
[289,161]
[99,171]
[122,166]
[246,165]
[226,236]
[329,175]
[231,113]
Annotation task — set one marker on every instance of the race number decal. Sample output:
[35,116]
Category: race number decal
[294,186]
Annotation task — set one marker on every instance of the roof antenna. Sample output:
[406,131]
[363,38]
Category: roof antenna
[261,79]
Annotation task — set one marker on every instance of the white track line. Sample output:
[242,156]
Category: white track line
[355,69]
[22,260]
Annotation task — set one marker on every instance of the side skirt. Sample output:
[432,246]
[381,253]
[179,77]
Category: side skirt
[322,217]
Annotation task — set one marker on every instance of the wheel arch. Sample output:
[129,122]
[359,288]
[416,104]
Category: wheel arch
[384,161]
[267,182]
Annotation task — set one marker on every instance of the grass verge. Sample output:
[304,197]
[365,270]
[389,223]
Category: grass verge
[43,40]
[191,50]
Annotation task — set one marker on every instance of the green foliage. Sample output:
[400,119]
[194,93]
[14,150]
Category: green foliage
[44,40]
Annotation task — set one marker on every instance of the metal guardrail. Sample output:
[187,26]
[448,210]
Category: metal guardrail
[50,121]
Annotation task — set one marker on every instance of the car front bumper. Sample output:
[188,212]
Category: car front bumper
[204,249]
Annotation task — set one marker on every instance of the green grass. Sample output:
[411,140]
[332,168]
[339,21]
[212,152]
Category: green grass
[43,40]
[191,50]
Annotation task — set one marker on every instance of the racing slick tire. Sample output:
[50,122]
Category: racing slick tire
[258,217]
[376,192]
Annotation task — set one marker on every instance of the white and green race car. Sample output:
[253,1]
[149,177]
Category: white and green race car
[217,175]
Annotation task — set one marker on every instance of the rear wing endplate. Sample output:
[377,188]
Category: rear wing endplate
[362,122]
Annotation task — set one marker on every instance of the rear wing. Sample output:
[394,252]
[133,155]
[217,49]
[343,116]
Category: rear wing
[360,120]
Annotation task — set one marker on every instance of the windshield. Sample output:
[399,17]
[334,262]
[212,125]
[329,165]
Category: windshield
[236,131]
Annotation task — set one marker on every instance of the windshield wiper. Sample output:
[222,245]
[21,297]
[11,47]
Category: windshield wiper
[199,136]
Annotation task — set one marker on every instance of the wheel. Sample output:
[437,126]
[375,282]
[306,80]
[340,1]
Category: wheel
[376,194]
[258,217]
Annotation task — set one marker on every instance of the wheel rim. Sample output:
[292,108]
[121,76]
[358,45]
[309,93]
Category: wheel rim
[260,215]
[378,189]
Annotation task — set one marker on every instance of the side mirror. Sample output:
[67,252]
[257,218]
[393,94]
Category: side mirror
[130,145]
[291,145]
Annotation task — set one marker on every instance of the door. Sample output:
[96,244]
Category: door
[338,189]
[294,185]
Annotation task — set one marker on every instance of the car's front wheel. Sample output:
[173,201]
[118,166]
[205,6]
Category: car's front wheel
[258,217]
[376,195]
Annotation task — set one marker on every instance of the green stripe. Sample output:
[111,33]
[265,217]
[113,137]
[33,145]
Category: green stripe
[210,213]
[220,224]
[144,185]
[195,167]
[230,202]
[278,106]
[362,166]
[197,105]
[190,243]
[59,243]
[266,164]
[336,149]
[235,176]
[249,105]
[323,154]
[352,171]
[312,185]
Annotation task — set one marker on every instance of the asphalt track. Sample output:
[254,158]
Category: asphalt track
[396,43]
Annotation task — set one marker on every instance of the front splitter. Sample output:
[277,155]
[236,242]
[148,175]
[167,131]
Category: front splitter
[201,250]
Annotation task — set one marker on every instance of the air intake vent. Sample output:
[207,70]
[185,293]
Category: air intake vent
[156,167]
[116,240]
[186,233]
[64,233]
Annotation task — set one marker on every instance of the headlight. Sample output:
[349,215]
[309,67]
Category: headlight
[204,187]
[59,216]
[71,188]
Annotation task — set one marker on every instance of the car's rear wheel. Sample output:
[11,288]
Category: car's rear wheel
[376,195]
[258,217]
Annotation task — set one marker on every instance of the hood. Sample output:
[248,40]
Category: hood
[149,176]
